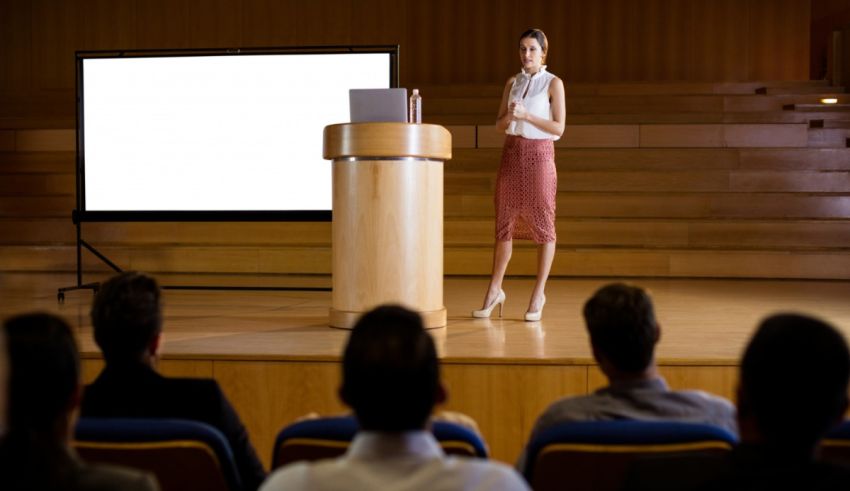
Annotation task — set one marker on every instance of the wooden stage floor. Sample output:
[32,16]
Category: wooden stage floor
[275,357]
[703,321]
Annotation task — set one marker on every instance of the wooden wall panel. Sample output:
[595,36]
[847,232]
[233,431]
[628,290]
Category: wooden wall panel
[778,26]
[162,24]
[15,46]
[214,23]
[324,22]
[269,22]
[109,24]
[442,41]
[57,31]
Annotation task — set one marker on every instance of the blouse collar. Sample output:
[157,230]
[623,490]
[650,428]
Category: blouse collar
[526,75]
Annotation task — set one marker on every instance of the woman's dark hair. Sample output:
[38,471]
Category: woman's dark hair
[794,377]
[44,372]
[538,36]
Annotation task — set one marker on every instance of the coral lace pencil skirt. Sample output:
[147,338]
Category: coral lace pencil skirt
[526,188]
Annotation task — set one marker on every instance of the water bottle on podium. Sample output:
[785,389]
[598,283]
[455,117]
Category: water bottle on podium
[415,107]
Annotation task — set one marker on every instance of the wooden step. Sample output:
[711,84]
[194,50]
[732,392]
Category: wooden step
[763,117]
[30,162]
[474,260]
[616,159]
[804,89]
[637,88]
[21,184]
[672,205]
[671,136]
[687,181]
[829,138]
[572,232]
[818,107]
[56,205]
[37,140]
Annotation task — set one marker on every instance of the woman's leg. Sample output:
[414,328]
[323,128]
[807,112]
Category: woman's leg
[501,257]
[545,255]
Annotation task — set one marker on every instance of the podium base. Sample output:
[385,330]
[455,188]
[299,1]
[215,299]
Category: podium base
[345,319]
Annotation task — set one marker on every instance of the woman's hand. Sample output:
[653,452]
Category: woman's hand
[518,110]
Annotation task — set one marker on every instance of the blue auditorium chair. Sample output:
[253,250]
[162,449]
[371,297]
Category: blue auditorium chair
[329,437]
[835,446]
[595,455]
[184,455]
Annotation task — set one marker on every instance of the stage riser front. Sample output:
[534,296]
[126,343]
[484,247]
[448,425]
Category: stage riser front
[504,398]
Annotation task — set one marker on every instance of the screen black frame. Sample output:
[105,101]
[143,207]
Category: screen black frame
[80,214]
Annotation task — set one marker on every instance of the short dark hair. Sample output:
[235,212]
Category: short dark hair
[44,373]
[794,377]
[390,372]
[621,321]
[126,316]
[538,36]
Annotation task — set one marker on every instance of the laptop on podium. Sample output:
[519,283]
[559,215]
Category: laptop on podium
[377,105]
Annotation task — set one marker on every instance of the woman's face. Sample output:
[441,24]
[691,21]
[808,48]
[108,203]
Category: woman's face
[530,54]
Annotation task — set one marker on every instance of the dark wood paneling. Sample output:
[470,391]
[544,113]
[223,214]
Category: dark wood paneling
[269,22]
[15,46]
[442,41]
[215,23]
[324,22]
[162,24]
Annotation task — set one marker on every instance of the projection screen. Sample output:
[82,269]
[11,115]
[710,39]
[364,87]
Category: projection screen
[215,134]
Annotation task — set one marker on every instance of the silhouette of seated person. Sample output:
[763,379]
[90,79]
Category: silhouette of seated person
[391,380]
[623,331]
[43,399]
[793,389]
[127,320]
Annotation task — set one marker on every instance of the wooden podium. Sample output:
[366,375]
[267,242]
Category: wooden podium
[387,218]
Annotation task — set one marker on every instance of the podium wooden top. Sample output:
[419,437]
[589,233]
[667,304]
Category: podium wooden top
[387,140]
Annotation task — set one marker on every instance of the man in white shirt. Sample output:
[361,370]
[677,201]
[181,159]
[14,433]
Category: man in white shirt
[391,379]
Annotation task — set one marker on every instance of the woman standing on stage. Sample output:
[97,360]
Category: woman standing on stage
[532,116]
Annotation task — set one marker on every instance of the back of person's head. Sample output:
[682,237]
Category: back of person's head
[126,316]
[390,371]
[794,380]
[621,322]
[44,376]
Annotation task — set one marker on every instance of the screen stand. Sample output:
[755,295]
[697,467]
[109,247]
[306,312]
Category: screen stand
[60,296]
[95,286]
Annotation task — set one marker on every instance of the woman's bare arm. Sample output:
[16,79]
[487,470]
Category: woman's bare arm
[505,112]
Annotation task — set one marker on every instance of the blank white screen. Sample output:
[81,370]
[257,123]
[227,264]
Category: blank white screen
[216,133]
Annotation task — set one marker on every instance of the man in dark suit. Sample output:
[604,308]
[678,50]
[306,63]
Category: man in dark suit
[44,395]
[127,321]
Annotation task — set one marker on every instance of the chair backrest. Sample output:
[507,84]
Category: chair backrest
[596,455]
[324,438]
[184,455]
[835,446]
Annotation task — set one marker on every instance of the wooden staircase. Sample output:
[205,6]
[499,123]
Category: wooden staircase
[748,180]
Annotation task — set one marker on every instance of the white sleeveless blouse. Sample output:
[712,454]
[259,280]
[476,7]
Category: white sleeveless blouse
[536,102]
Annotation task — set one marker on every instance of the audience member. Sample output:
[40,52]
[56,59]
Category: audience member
[623,331]
[391,380]
[43,398]
[793,389]
[127,320]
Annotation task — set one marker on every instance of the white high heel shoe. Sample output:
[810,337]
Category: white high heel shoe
[535,316]
[486,311]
